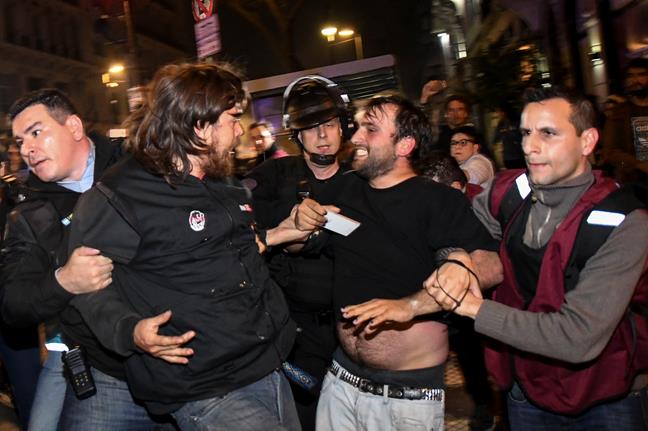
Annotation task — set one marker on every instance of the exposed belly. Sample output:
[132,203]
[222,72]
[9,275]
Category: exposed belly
[409,346]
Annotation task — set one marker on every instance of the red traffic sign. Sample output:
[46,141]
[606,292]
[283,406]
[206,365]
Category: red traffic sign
[202,9]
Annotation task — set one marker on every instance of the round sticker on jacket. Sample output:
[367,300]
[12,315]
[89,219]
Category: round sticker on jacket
[197,220]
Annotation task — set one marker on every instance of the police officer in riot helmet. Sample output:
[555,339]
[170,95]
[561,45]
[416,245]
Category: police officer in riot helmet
[317,113]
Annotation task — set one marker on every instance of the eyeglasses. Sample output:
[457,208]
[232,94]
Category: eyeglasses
[461,142]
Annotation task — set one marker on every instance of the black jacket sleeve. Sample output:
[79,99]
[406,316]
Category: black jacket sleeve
[29,292]
[103,222]
[274,186]
[462,228]
[109,318]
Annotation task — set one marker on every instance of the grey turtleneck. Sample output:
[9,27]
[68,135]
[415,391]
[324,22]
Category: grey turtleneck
[552,203]
[579,331]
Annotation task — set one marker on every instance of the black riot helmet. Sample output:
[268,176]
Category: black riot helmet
[313,100]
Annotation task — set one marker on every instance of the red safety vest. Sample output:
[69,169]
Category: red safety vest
[551,384]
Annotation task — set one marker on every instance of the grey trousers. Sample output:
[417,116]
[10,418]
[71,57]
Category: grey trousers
[343,407]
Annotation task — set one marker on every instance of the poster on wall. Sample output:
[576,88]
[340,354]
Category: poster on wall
[640,130]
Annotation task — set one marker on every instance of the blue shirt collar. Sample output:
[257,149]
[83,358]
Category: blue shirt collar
[87,178]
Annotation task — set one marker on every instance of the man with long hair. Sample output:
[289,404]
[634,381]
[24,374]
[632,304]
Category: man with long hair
[179,228]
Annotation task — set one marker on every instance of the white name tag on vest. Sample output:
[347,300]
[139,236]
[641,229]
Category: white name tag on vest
[605,218]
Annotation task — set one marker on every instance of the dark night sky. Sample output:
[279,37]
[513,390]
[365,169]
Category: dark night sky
[386,26]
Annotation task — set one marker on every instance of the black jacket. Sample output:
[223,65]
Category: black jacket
[188,248]
[307,279]
[36,244]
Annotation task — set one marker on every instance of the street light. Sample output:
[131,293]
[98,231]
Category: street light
[329,33]
[448,60]
[345,34]
[113,76]
[116,68]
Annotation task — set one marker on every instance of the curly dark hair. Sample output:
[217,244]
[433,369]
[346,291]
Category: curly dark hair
[179,99]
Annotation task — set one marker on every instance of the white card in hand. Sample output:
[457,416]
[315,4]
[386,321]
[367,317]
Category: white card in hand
[340,224]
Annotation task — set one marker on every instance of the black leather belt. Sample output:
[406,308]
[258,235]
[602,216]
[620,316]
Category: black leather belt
[375,388]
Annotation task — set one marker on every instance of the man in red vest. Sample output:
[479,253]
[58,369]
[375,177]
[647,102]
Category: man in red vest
[570,340]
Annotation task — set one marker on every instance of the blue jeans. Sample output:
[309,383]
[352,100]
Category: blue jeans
[266,404]
[20,357]
[111,408]
[50,394]
[627,414]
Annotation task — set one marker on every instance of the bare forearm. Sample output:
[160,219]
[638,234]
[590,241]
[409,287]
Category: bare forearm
[488,267]
[422,303]
[376,312]
[284,235]
[486,264]
[287,233]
